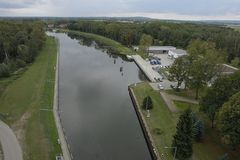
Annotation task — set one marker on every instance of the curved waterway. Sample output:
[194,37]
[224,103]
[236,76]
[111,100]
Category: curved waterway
[95,107]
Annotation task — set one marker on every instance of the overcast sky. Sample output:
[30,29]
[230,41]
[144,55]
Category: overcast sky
[162,9]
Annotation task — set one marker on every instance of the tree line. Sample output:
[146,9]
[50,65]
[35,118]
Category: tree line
[220,102]
[20,42]
[164,33]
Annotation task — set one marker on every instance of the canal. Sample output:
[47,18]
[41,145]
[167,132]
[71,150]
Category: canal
[99,120]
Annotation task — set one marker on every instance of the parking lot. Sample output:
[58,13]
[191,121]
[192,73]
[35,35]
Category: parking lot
[165,60]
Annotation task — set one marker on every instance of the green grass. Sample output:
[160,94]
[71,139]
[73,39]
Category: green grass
[191,94]
[181,106]
[121,49]
[22,100]
[164,122]
[161,118]
[4,82]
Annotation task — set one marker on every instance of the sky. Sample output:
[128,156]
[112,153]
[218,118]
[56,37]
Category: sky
[161,9]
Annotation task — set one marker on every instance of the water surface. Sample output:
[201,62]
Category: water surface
[96,110]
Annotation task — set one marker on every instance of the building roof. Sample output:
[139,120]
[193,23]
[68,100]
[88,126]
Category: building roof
[159,48]
[228,69]
[179,51]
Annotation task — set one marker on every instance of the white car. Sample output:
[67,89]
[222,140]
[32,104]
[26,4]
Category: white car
[160,86]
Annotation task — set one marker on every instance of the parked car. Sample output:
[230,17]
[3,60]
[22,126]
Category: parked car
[153,62]
[160,86]
[158,62]
[160,79]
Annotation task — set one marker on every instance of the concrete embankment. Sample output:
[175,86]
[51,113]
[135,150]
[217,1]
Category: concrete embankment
[151,146]
[146,68]
[64,145]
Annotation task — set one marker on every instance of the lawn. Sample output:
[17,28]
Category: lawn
[161,119]
[121,49]
[162,124]
[181,106]
[191,94]
[22,101]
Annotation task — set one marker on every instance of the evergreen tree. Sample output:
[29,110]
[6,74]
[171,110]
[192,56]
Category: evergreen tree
[183,137]
[198,128]
[147,103]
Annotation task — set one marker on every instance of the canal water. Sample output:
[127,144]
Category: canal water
[97,113]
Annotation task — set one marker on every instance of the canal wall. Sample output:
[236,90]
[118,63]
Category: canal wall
[146,68]
[146,132]
[61,133]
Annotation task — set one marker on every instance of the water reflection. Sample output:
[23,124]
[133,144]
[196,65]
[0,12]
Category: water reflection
[97,112]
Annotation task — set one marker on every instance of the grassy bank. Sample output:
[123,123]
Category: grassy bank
[27,105]
[162,125]
[116,46]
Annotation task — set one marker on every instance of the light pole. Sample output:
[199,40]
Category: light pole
[175,152]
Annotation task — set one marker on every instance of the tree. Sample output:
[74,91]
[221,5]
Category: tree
[220,91]
[179,71]
[228,121]
[183,137]
[198,128]
[235,62]
[4,70]
[147,103]
[203,60]
[23,53]
[224,157]
[145,43]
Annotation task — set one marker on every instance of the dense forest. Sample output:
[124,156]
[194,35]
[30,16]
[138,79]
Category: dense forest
[164,33]
[19,44]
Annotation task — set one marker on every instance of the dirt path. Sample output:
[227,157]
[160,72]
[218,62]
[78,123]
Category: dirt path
[10,145]
[168,98]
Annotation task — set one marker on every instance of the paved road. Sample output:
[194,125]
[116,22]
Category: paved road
[10,146]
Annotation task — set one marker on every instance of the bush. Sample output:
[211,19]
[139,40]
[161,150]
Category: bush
[157,131]
[4,70]
[20,63]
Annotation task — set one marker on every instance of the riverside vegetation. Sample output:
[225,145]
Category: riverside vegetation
[27,95]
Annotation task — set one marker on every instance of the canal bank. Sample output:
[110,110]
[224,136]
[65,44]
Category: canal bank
[62,138]
[151,145]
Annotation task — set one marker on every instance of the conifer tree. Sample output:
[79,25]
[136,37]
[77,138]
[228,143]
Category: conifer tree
[183,137]
[147,103]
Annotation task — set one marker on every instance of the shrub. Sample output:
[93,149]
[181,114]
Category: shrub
[20,63]
[4,70]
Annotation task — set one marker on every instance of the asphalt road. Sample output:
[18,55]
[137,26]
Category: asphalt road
[10,145]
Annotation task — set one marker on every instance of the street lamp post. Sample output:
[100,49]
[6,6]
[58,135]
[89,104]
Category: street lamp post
[175,152]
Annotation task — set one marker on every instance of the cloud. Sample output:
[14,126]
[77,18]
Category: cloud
[163,9]
[176,16]
[6,4]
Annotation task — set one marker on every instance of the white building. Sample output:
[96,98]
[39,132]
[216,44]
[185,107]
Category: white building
[175,53]
[157,49]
